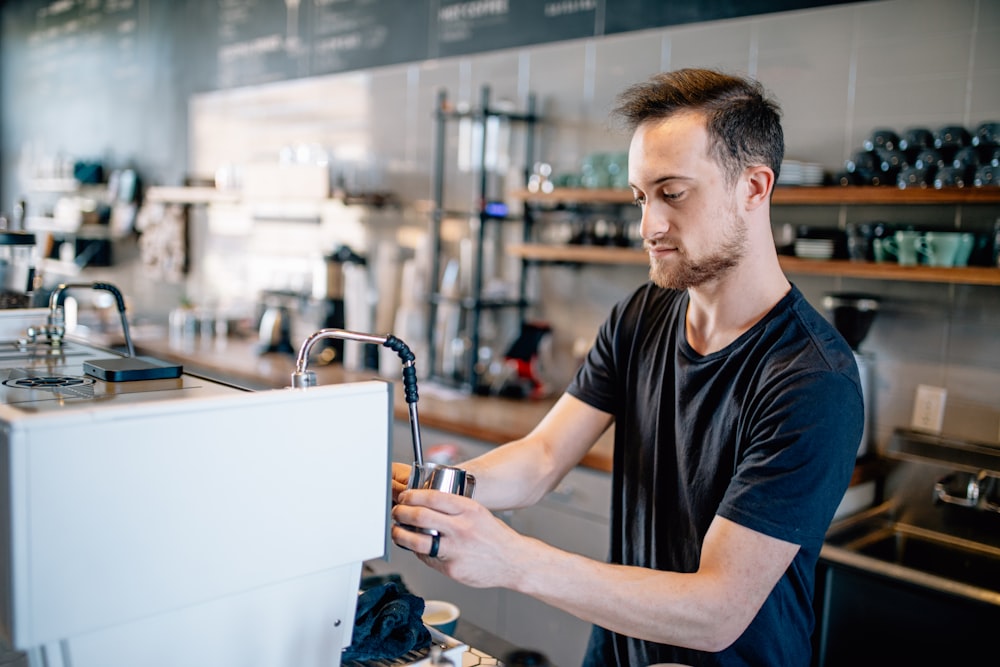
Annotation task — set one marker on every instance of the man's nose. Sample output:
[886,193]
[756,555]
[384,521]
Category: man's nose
[652,223]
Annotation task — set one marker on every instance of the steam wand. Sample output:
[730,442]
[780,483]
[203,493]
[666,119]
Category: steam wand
[56,328]
[303,378]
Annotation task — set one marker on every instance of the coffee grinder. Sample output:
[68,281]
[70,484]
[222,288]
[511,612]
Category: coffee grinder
[328,292]
[853,314]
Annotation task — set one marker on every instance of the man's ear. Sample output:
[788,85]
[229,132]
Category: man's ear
[760,182]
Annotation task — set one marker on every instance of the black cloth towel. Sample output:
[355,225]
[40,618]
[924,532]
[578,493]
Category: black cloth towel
[387,624]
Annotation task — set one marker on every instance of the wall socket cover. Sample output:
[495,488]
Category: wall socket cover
[928,408]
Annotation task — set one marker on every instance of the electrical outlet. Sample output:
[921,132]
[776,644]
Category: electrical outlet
[928,408]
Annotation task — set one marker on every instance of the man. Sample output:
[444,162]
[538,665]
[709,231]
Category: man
[737,411]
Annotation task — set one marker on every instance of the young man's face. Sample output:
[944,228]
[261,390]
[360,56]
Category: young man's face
[690,225]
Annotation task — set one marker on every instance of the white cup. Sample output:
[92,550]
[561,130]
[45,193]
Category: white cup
[441,615]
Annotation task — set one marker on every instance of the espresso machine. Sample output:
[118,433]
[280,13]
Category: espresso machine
[853,314]
[158,518]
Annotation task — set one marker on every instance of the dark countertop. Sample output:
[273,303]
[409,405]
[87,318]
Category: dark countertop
[482,640]
[489,419]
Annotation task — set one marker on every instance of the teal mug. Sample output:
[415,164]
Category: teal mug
[939,248]
[902,245]
[883,250]
[966,245]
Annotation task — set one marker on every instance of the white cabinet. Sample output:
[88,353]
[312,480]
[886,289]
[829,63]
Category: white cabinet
[574,517]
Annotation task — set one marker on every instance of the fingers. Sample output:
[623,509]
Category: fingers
[400,479]
[400,472]
[420,543]
[419,510]
[439,501]
[420,513]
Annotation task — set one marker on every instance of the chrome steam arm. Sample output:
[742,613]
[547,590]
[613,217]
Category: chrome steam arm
[57,321]
[306,378]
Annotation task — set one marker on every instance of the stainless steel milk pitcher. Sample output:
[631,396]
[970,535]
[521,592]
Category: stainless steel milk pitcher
[442,478]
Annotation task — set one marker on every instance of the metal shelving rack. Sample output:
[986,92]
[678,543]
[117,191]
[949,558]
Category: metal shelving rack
[473,304]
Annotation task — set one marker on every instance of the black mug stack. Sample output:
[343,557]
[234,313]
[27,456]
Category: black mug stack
[951,156]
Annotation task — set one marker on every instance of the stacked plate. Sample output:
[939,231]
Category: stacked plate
[814,248]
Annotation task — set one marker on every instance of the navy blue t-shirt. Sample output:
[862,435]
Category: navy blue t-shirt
[764,433]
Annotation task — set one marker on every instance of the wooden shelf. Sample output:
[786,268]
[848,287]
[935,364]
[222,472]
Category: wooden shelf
[53,185]
[189,195]
[575,196]
[794,196]
[882,196]
[783,196]
[966,275]
[578,254]
[962,275]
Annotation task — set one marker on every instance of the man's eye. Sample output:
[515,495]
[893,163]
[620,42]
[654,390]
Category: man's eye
[639,201]
[673,195]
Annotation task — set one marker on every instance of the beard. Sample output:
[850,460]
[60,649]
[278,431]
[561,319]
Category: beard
[683,272]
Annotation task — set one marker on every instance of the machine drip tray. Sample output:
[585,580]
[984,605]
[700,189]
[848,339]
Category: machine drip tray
[129,369]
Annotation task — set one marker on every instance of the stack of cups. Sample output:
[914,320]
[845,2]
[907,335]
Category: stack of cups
[910,247]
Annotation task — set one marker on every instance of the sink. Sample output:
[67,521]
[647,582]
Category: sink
[937,555]
[908,594]
[883,539]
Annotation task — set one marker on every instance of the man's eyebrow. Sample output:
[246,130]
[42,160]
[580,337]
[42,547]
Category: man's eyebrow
[666,179]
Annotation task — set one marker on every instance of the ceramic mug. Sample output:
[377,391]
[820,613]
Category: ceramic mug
[441,615]
[883,250]
[902,245]
[939,248]
[966,244]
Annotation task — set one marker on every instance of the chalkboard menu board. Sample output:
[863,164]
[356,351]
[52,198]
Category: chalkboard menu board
[460,27]
[68,47]
[628,15]
[91,79]
[265,40]
[257,41]
[219,44]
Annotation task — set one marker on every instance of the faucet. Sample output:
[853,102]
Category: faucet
[976,484]
[55,327]
[306,378]
[976,491]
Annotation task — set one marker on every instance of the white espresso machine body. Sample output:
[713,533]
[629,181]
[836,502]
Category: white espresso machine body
[185,522]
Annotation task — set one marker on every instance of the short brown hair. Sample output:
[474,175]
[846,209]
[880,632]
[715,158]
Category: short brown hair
[744,124]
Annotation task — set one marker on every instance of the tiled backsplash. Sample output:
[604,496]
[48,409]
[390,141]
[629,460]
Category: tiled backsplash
[839,72]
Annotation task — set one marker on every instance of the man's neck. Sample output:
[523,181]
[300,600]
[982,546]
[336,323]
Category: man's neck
[721,312]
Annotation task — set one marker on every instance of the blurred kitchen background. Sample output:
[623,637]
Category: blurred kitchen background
[203,162]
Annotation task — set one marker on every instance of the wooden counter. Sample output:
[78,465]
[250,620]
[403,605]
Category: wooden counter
[489,419]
